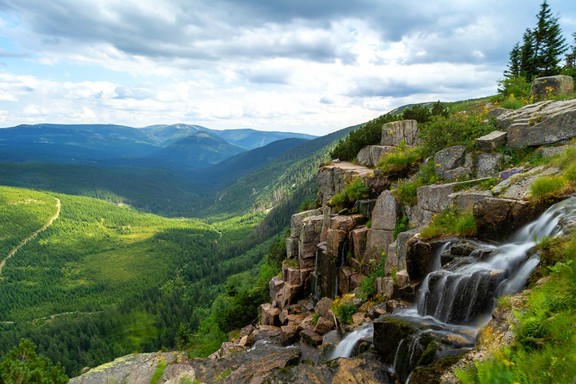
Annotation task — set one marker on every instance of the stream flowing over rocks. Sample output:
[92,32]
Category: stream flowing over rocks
[433,297]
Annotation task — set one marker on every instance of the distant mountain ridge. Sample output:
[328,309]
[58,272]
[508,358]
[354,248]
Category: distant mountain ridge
[177,146]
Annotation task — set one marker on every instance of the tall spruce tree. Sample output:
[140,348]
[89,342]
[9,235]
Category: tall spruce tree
[549,44]
[539,54]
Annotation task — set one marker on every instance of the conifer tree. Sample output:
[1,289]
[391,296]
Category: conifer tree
[549,44]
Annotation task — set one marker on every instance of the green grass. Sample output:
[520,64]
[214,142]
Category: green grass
[401,159]
[450,221]
[354,191]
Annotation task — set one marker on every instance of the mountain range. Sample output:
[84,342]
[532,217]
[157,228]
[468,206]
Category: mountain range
[178,146]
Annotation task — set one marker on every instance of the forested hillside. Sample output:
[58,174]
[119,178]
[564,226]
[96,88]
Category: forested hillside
[105,280]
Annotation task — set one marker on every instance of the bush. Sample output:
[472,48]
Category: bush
[369,134]
[459,129]
[367,286]
[344,308]
[517,87]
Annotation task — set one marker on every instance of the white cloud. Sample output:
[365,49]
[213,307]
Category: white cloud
[312,66]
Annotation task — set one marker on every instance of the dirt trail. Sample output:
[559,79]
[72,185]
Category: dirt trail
[33,235]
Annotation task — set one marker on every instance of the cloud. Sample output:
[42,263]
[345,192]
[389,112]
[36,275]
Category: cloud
[288,64]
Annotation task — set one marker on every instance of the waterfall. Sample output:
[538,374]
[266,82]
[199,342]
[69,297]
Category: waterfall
[346,346]
[459,295]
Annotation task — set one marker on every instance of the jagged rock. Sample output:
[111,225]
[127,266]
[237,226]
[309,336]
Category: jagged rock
[465,201]
[268,333]
[449,159]
[269,315]
[289,333]
[397,131]
[255,366]
[386,212]
[539,124]
[335,241]
[323,326]
[435,198]
[371,154]
[324,307]
[496,112]
[559,85]
[355,280]
[396,257]
[275,286]
[307,255]
[359,239]
[297,219]
[247,330]
[402,278]
[334,178]
[491,141]
[385,286]
[497,218]
[358,319]
[344,281]
[311,228]
[288,295]
[517,186]
[364,207]
[139,368]
[328,267]
[388,333]
[311,338]
[377,243]
[488,164]
[420,258]
[552,151]
[345,223]
[292,247]
[291,275]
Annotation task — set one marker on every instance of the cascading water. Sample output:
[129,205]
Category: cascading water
[453,298]
[460,295]
[346,346]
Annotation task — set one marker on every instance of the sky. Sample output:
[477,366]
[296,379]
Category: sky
[309,66]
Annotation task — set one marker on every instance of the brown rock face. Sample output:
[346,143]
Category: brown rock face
[497,218]
[323,326]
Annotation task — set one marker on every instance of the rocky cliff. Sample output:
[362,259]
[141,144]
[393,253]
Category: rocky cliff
[334,254]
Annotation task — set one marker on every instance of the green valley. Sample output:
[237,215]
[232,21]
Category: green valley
[105,280]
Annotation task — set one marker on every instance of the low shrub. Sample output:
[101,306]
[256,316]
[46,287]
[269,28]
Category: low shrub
[344,308]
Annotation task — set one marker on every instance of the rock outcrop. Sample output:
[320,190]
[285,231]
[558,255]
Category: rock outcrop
[543,123]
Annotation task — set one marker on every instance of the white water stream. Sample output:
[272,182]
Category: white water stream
[444,292]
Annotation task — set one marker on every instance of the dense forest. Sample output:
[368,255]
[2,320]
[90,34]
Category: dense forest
[106,280]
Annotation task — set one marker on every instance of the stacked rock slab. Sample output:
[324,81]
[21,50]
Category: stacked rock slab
[542,123]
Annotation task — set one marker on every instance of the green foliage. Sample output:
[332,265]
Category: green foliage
[407,190]
[450,221]
[158,372]
[368,285]
[105,280]
[354,191]
[547,186]
[344,308]
[458,129]
[401,226]
[423,114]
[369,134]
[544,350]
[23,365]
[400,159]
